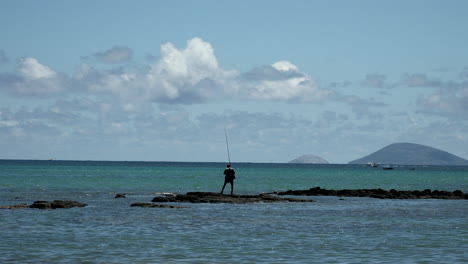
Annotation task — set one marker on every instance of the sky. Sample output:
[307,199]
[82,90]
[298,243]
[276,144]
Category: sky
[163,80]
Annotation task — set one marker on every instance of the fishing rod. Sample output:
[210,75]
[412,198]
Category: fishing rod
[227,145]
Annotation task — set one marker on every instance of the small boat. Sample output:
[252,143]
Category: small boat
[372,164]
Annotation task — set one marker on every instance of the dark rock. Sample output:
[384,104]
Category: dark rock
[66,204]
[120,195]
[56,204]
[163,199]
[187,198]
[209,197]
[427,192]
[379,193]
[18,206]
[153,205]
[458,194]
[41,205]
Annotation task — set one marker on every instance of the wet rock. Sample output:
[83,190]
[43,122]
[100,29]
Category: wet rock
[66,204]
[18,206]
[153,205]
[427,192]
[120,195]
[56,204]
[41,205]
[163,199]
[209,197]
[379,193]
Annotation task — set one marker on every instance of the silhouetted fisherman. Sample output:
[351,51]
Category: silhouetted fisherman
[229,176]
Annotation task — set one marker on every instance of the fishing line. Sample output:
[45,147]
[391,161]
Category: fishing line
[227,145]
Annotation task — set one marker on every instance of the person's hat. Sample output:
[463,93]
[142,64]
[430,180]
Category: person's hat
[229,165]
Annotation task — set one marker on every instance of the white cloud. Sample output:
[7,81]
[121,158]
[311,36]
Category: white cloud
[302,89]
[33,78]
[194,63]
[452,103]
[85,124]
[193,75]
[181,75]
[284,66]
[116,54]
[449,100]
[31,69]
[124,83]
[188,75]
[281,70]
[93,109]
[282,81]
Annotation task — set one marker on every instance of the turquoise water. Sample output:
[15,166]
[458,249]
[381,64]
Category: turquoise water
[331,230]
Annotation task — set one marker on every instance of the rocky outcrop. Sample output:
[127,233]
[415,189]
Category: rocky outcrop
[120,195]
[56,204]
[209,197]
[153,205]
[46,205]
[18,206]
[379,193]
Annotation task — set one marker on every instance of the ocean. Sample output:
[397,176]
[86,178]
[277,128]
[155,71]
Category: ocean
[330,230]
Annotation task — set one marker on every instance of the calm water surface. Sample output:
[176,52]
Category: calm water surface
[331,230]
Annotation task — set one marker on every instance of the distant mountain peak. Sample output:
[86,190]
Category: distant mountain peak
[310,158]
[411,154]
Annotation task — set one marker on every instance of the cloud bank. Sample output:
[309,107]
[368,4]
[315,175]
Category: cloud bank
[189,75]
[135,110]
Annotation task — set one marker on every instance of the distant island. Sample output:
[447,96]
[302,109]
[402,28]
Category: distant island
[411,154]
[313,159]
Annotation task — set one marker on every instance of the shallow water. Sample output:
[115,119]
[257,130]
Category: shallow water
[331,230]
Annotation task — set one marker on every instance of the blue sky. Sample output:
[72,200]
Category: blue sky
[159,80]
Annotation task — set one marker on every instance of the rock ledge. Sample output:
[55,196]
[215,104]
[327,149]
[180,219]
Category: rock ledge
[380,193]
[209,197]
[153,205]
[46,205]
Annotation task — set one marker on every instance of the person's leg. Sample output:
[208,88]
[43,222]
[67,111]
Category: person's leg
[232,187]
[223,187]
